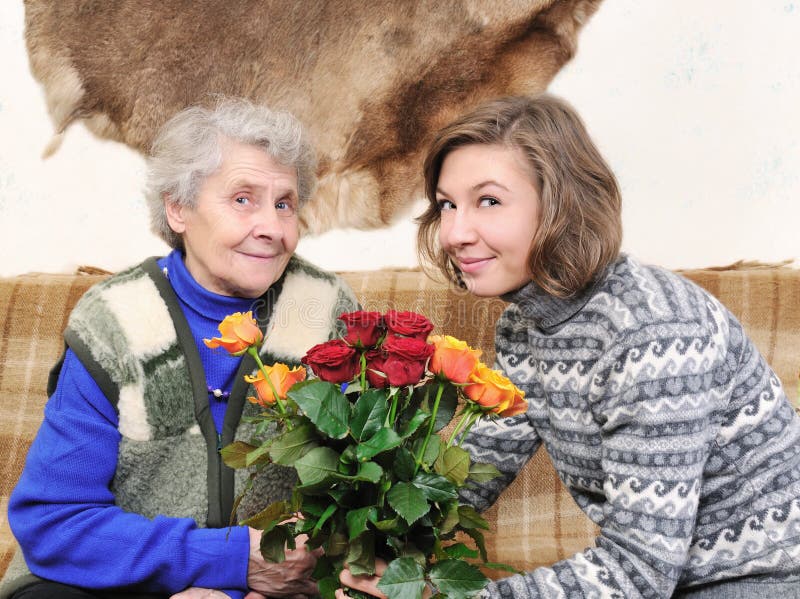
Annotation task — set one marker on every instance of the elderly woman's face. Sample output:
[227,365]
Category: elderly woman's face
[244,227]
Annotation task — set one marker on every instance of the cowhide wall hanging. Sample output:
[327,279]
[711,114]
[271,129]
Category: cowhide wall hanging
[371,79]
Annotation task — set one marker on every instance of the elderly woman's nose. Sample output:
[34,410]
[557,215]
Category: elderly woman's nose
[267,222]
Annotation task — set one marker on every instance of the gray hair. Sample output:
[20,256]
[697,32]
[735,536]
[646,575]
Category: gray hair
[188,149]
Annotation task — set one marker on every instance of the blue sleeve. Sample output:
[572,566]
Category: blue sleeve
[64,516]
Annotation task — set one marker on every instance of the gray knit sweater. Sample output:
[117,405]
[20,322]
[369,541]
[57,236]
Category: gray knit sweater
[666,425]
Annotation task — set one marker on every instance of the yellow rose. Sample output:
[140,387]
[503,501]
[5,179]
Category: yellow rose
[237,332]
[452,358]
[282,380]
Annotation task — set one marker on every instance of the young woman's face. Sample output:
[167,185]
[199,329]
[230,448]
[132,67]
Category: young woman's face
[489,214]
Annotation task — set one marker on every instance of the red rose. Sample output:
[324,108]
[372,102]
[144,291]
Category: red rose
[376,359]
[363,328]
[333,361]
[405,359]
[408,324]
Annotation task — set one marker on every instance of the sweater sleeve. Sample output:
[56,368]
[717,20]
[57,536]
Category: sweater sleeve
[64,517]
[658,403]
[505,443]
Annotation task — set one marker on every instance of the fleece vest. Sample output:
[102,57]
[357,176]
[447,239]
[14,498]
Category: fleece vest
[131,335]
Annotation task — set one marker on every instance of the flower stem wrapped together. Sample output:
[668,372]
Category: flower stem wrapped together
[374,478]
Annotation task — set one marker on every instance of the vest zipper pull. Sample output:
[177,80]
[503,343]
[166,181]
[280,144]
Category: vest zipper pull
[219,442]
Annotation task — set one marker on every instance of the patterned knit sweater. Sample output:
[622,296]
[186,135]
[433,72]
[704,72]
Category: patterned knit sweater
[666,425]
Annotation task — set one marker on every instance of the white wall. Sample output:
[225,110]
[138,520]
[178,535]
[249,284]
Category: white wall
[695,105]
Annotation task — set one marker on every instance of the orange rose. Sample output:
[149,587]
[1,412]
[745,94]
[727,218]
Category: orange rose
[238,332]
[282,379]
[453,358]
[492,390]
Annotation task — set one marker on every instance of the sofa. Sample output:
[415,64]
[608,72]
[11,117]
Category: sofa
[535,522]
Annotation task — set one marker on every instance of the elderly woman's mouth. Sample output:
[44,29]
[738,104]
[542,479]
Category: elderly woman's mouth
[257,256]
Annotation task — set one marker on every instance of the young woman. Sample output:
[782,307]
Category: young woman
[669,429]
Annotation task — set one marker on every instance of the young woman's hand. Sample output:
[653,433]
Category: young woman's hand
[367,584]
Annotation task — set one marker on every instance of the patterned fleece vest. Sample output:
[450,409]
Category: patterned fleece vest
[131,335]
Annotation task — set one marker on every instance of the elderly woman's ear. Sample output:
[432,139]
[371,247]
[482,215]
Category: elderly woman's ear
[175,214]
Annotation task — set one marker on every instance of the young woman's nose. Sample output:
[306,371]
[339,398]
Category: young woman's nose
[459,228]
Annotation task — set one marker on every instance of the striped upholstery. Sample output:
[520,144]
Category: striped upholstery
[535,521]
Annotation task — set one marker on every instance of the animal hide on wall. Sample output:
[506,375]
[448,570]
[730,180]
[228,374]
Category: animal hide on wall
[371,80]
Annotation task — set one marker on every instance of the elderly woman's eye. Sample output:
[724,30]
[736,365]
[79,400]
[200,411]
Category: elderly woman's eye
[241,200]
[285,206]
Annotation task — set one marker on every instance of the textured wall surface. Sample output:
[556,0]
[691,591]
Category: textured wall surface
[693,104]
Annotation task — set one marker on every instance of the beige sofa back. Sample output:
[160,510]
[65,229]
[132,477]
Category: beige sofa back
[535,522]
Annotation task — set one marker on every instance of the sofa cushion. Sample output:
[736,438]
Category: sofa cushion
[536,522]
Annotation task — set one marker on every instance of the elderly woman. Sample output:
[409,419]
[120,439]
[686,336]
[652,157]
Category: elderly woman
[124,490]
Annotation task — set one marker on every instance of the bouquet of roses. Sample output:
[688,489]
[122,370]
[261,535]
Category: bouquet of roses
[374,478]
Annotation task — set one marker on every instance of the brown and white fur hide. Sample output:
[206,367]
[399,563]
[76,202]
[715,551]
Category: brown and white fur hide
[371,80]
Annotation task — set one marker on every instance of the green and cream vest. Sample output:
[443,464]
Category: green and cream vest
[131,335]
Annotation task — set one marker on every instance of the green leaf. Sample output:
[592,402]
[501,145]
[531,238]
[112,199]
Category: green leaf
[324,518]
[447,407]
[369,413]
[317,469]
[457,579]
[369,471]
[384,440]
[468,518]
[403,579]
[387,526]
[325,406]
[357,520]
[336,545]
[273,543]
[404,464]
[454,464]
[412,425]
[327,587]
[292,445]
[361,554]
[433,450]
[269,517]
[435,486]
[408,501]
[477,536]
[460,551]
[314,506]
[235,454]
[481,473]
[450,520]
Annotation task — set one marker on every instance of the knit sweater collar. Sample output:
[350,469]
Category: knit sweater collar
[548,311]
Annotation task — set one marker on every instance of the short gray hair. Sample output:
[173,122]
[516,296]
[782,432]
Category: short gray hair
[188,149]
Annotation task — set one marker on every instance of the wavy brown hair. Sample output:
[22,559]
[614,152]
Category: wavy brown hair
[580,227]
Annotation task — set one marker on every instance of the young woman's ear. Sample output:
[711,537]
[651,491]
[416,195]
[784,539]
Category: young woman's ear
[175,214]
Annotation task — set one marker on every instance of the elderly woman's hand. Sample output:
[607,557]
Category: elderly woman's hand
[290,578]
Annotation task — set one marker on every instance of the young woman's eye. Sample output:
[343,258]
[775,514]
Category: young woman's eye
[446,205]
[489,201]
